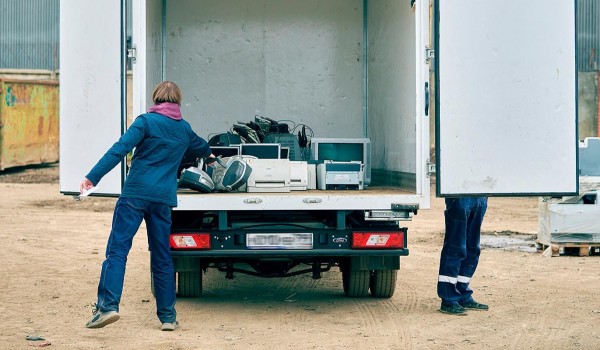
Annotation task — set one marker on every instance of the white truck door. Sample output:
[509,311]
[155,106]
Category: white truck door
[92,95]
[506,86]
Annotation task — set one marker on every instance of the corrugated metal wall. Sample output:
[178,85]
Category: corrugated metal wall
[29,34]
[588,35]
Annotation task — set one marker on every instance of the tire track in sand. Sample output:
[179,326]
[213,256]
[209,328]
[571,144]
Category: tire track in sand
[385,317]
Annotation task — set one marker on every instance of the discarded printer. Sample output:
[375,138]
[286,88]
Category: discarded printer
[333,175]
[299,175]
[269,175]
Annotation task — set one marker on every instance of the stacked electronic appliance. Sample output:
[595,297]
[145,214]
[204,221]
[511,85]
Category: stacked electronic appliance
[333,164]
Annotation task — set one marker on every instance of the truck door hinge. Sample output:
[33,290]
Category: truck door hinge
[431,171]
[131,53]
[429,54]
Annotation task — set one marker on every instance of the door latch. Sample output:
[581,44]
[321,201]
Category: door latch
[131,53]
[429,54]
[431,171]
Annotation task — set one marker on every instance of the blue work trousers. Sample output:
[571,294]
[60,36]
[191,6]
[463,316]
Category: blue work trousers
[460,253]
[128,215]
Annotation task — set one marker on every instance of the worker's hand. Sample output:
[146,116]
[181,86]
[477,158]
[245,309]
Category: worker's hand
[85,185]
[210,160]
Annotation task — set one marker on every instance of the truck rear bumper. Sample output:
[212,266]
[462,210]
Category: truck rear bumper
[291,254]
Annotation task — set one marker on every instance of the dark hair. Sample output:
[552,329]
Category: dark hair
[166,91]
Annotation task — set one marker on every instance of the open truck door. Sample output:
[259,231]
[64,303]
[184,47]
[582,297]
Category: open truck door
[92,82]
[506,89]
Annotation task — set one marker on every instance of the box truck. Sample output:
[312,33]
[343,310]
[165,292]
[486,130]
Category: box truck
[505,115]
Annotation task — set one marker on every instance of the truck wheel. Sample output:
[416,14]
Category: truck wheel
[383,283]
[189,284]
[356,283]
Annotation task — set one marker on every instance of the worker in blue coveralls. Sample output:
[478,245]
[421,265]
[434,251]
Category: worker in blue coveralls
[161,137]
[460,254]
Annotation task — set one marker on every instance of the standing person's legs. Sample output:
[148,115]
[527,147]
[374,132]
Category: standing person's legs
[127,218]
[158,224]
[453,251]
[469,265]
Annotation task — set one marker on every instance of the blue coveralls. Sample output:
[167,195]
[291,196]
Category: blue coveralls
[460,253]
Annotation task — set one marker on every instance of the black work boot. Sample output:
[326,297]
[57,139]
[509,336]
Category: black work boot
[473,305]
[453,309]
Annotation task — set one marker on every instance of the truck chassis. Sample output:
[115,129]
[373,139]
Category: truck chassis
[261,243]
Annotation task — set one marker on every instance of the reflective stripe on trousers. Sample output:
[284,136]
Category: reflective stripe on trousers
[460,253]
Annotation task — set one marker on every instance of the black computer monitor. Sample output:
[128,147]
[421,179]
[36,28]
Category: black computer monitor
[261,150]
[225,151]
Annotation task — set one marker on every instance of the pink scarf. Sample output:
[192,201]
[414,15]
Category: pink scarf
[168,109]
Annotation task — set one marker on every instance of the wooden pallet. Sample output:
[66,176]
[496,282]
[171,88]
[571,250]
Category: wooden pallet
[570,249]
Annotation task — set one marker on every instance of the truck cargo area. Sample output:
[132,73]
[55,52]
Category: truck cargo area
[342,68]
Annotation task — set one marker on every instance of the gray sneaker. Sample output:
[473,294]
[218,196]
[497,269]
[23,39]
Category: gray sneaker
[100,319]
[169,326]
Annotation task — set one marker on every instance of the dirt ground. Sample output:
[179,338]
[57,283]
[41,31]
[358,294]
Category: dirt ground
[52,250]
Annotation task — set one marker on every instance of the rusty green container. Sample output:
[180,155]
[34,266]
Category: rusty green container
[28,122]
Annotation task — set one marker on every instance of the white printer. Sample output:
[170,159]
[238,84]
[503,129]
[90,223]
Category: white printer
[268,175]
[333,175]
[298,175]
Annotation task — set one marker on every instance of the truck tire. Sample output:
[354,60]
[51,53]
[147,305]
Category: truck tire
[383,283]
[189,284]
[356,283]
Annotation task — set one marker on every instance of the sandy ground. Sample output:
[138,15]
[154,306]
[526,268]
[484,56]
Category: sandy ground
[52,249]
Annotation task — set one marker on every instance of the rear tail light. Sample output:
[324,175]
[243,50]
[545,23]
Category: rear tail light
[377,240]
[190,241]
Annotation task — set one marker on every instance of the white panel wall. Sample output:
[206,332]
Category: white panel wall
[507,89]
[295,59]
[90,89]
[392,85]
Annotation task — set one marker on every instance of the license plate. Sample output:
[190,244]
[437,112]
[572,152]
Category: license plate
[279,240]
